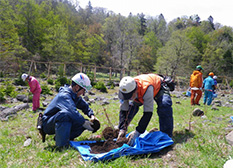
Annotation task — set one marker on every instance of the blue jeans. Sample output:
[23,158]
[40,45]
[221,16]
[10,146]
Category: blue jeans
[165,114]
[63,127]
[164,111]
[208,95]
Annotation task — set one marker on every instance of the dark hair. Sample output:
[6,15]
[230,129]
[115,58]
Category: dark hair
[73,84]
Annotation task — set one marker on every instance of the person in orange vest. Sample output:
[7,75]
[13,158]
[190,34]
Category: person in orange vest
[35,89]
[195,84]
[144,90]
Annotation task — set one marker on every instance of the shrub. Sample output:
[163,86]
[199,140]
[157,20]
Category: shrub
[57,85]
[100,86]
[111,84]
[231,83]
[61,81]
[45,90]
[10,90]
[42,75]
[91,77]
[19,81]
[2,94]
[1,74]
[50,81]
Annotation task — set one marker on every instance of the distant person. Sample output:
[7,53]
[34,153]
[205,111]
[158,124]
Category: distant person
[144,90]
[208,86]
[35,89]
[215,84]
[195,84]
[62,118]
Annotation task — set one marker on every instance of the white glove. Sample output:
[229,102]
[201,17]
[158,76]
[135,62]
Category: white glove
[87,124]
[121,134]
[132,136]
[93,118]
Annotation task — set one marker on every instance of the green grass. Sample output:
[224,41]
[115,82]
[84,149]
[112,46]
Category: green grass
[202,146]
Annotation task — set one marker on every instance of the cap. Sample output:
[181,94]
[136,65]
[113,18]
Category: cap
[127,87]
[24,76]
[199,67]
[211,74]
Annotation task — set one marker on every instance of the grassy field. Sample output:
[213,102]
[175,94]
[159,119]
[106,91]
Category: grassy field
[198,141]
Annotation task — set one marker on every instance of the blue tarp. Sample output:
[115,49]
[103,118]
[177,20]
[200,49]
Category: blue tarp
[144,144]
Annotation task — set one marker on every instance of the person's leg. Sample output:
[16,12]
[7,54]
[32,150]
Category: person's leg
[76,130]
[192,97]
[165,114]
[60,125]
[210,95]
[205,97]
[198,97]
[36,101]
[62,131]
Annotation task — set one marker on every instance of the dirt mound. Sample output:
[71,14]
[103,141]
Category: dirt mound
[109,134]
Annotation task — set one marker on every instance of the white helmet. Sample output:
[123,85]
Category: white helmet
[24,76]
[82,80]
[127,87]
[215,77]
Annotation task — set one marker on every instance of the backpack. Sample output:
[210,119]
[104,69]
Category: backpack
[169,82]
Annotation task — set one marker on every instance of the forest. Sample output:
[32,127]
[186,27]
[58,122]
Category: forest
[61,31]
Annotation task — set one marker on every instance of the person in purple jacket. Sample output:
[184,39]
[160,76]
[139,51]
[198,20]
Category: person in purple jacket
[35,89]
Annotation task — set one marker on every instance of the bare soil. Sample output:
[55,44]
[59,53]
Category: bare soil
[105,146]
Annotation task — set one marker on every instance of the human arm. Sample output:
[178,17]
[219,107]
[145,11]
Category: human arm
[33,85]
[66,103]
[143,123]
[81,104]
[145,119]
[200,80]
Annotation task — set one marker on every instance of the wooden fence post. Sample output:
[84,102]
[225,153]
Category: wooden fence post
[64,69]
[48,70]
[110,73]
[81,68]
[123,72]
[30,69]
[95,73]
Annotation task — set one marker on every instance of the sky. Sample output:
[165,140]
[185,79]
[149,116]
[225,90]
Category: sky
[220,10]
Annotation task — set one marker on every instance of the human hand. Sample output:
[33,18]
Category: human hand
[93,118]
[132,136]
[88,125]
[121,134]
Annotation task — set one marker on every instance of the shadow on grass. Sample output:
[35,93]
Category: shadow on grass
[54,148]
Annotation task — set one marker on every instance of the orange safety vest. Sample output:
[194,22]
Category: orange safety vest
[143,82]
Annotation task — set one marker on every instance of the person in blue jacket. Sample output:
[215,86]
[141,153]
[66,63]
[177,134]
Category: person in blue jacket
[208,86]
[62,118]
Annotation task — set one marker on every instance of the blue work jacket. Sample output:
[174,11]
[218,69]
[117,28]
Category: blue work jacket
[67,101]
[208,83]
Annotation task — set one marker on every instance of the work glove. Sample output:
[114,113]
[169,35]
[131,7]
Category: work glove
[88,125]
[121,134]
[93,118]
[132,136]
